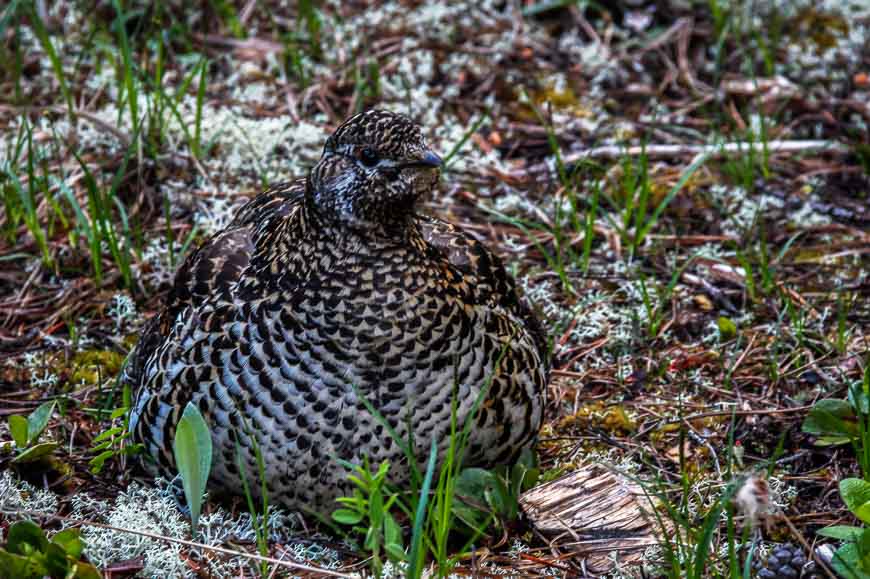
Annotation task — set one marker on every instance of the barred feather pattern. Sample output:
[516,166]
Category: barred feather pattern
[278,325]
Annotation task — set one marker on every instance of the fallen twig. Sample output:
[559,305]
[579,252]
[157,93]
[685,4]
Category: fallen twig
[667,151]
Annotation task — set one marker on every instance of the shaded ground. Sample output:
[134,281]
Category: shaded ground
[699,299]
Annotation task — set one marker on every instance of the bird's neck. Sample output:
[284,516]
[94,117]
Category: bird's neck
[377,229]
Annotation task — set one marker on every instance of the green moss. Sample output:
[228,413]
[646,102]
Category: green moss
[91,366]
[613,419]
[819,28]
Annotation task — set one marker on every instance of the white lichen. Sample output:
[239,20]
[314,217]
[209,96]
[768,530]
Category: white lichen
[17,498]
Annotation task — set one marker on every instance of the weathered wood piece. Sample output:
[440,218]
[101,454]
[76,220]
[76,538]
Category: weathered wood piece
[595,515]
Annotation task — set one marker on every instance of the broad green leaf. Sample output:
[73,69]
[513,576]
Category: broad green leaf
[18,429]
[473,489]
[56,561]
[38,420]
[841,532]
[82,570]
[863,545]
[847,562]
[119,412]
[836,406]
[831,418]
[395,551]
[371,541]
[833,440]
[347,516]
[71,542]
[495,492]
[14,565]
[855,493]
[36,452]
[473,483]
[101,446]
[393,539]
[26,536]
[193,453]
[528,464]
[376,508]
[858,397]
[108,434]
[863,512]
[99,461]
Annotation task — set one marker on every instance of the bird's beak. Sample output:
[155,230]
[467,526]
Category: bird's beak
[430,159]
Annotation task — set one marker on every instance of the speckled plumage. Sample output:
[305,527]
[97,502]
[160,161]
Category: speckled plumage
[326,287]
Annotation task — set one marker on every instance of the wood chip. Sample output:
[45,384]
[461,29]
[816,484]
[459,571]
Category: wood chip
[596,515]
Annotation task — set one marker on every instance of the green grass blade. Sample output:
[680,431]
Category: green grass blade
[129,79]
[10,10]
[684,178]
[200,98]
[415,564]
[456,148]
[56,64]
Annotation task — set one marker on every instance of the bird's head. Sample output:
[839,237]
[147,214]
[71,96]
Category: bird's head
[374,168]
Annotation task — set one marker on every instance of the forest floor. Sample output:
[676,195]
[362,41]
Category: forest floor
[681,189]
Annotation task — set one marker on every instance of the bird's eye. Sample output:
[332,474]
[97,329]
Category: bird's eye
[369,157]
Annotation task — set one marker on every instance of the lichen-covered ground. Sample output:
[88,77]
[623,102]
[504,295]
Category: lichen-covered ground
[681,189]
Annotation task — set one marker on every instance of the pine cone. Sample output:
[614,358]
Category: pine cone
[785,561]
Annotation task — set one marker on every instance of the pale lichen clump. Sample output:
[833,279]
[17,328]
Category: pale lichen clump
[123,311]
[740,211]
[154,511]
[613,459]
[313,553]
[826,42]
[140,509]
[42,375]
[18,498]
[159,271]
[619,320]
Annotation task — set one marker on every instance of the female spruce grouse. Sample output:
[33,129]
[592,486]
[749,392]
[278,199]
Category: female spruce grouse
[330,287]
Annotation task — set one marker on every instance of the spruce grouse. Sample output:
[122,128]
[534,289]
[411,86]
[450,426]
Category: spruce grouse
[330,288]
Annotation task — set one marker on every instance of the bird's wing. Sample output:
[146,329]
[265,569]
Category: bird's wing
[213,270]
[275,201]
[485,271]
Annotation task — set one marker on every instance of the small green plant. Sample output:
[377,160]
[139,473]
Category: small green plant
[852,559]
[193,453]
[26,432]
[432,505]
[845,421]
[28,554]
[229,17]
[100,229]
[656,309]
[113,443]
[368,511]
[638,217]
[493,495]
